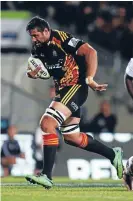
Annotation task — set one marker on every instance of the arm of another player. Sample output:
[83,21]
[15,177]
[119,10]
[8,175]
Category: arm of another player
[128,77]
[90,55]
[129,84]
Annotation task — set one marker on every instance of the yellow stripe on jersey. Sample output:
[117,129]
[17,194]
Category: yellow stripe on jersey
[63,35]
[66,35]
[67,94]
[60,35]
[70,93]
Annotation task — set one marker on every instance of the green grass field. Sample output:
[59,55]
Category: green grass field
[17,189]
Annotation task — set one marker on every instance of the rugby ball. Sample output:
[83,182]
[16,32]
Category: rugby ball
[33,63]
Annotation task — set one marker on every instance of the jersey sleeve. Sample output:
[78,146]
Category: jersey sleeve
[69,43]
[129,68]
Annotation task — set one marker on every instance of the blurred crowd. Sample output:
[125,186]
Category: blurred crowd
[103,121]
[10,151]
[106,23]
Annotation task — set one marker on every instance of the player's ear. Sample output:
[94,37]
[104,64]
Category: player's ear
[46,31]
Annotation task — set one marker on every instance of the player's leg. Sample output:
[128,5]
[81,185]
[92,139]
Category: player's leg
[73,136]
[52,119]
[73,101]
[54,116]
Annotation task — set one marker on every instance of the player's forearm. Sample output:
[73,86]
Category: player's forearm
[91,63]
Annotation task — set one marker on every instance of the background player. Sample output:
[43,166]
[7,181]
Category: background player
[129,77]
[128,174]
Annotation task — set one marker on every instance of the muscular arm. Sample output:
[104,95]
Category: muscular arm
[129,84]
[90,55]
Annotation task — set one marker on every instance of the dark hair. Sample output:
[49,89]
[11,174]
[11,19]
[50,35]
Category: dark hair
[37,22]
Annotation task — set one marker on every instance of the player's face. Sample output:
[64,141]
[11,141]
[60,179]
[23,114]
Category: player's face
[39,37]
[12,131]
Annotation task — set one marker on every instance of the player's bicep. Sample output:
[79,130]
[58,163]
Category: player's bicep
[84,49]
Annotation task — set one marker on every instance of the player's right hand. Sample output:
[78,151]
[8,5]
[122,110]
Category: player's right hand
[33,73]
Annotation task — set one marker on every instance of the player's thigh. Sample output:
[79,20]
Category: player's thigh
[61,107]
[70,129]
[72,120]
[54,116]
[65,104]
[74,97]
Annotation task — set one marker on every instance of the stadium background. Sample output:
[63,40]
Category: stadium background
[23,100]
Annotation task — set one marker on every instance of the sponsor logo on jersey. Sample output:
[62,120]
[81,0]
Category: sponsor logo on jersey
[54,53]
[54,66]
[74,106]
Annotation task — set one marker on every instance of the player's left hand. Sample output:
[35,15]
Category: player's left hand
[97,87]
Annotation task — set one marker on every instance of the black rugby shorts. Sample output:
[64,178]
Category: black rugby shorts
[73,97]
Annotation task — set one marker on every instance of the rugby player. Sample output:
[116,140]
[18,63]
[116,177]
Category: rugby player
[128,78]
[73,64]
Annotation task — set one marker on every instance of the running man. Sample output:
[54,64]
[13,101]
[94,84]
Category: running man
[73,64]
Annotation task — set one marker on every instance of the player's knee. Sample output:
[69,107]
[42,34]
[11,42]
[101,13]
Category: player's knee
[51,120]
[70,132]
[77,138]
[72,137]
[48,124]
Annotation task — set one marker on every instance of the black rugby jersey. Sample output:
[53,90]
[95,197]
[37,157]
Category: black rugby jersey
[59,57]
